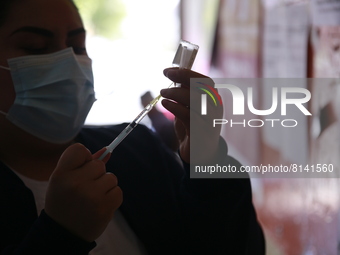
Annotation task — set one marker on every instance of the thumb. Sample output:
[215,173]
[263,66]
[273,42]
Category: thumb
[99,153]
[73,157]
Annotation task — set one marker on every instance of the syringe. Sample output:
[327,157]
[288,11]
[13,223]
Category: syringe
[131,126]
[184,58]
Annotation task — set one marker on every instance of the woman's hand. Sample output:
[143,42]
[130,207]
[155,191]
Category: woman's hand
[185,103]
[82,196]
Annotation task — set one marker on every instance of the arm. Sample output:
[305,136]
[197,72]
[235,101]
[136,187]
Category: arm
[219,214]
[80,201]
[48,237]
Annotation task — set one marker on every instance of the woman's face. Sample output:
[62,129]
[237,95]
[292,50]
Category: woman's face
[35,27]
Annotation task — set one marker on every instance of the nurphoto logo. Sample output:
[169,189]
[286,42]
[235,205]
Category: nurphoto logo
[295,96]
[212,93]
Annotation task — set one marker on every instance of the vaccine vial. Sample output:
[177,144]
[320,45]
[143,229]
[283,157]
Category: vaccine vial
[185,55]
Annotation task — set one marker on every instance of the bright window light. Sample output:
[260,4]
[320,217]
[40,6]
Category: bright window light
[126,67]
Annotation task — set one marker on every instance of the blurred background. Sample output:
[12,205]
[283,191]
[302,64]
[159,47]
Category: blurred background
[131,42]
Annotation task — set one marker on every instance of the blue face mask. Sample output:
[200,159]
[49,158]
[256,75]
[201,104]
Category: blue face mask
[54,94]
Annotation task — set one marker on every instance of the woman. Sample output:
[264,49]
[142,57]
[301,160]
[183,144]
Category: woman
[58,198]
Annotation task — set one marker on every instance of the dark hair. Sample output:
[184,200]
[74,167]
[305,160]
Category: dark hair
[5,6]
[4,9]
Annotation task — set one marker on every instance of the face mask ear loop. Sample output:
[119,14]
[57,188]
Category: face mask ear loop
[9,69]
[6,68]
